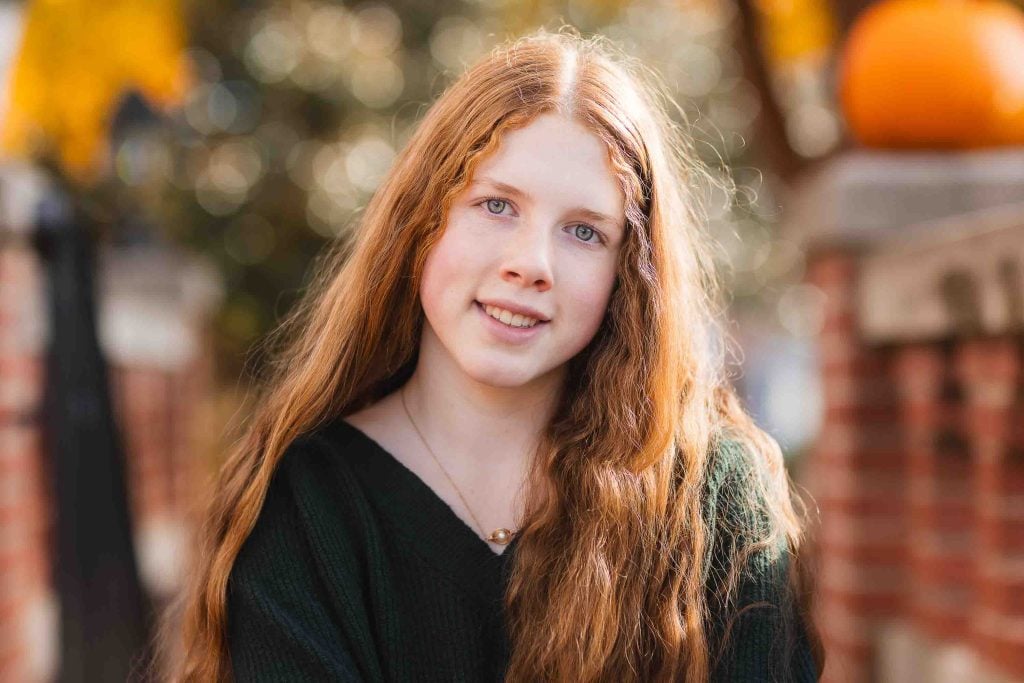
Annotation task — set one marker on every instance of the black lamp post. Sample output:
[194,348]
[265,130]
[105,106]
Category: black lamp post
[105,614]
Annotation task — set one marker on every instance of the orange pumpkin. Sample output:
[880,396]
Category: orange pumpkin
[935,74]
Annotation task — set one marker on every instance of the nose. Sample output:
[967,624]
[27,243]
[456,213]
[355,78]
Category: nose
[526,260]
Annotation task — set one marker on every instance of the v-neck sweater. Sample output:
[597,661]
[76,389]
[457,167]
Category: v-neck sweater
[356,570]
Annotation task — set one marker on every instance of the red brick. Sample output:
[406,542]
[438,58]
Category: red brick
[936,570]
[875,554]
[942,620]
[832,268]
[879,603]
[1003,596]
[865,506]
[860,414]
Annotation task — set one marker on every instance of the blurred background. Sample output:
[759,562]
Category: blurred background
[170,170]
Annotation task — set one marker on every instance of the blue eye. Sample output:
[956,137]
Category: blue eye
[589,232]
[491,202]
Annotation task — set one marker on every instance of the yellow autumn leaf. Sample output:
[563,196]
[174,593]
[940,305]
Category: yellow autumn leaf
[76,60]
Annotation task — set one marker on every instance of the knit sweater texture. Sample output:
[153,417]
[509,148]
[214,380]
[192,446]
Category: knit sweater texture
[357,571]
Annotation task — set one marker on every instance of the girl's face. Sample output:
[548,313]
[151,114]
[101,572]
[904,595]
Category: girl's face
[538,229]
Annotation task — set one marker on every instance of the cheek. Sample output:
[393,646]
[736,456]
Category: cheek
[446,266]
[589,300]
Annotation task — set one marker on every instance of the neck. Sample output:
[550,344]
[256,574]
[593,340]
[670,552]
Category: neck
[477,423]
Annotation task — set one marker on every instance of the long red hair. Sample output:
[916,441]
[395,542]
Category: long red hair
[616,540]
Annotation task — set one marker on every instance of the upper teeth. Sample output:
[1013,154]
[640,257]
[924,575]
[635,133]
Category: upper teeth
[510,318]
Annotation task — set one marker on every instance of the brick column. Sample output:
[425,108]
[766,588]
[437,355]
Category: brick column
[940,531]
[992,372]
[26,602]
[857,477]
[158,409]
[197,432]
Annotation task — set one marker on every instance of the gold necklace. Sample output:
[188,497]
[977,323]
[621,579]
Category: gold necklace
[500,536]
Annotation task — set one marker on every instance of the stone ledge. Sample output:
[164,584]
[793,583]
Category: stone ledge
[959,276]
[855,199]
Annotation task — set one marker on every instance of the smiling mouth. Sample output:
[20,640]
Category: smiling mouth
[524,320]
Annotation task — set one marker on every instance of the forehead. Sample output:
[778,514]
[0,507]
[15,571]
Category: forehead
[558,160]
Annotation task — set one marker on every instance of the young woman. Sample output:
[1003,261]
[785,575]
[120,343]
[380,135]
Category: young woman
[499,444]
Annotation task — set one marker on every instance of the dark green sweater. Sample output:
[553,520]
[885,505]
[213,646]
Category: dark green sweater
[357,571]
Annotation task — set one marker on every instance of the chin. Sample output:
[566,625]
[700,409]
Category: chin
[504,376]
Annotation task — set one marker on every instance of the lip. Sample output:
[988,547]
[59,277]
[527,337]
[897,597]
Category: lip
[506,333]
[517,308]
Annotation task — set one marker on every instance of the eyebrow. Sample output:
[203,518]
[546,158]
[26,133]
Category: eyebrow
[516,192]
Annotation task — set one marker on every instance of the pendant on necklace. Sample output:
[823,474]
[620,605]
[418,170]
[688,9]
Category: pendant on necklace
[500,536]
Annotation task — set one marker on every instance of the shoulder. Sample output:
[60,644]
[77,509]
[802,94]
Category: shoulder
[731,461]
[757,620]
[734,482]
[313,487]
[327,453]
[297,571]
[312,522]
[741,514]
[306,458]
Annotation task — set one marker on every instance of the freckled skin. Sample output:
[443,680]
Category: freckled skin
[537,250]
